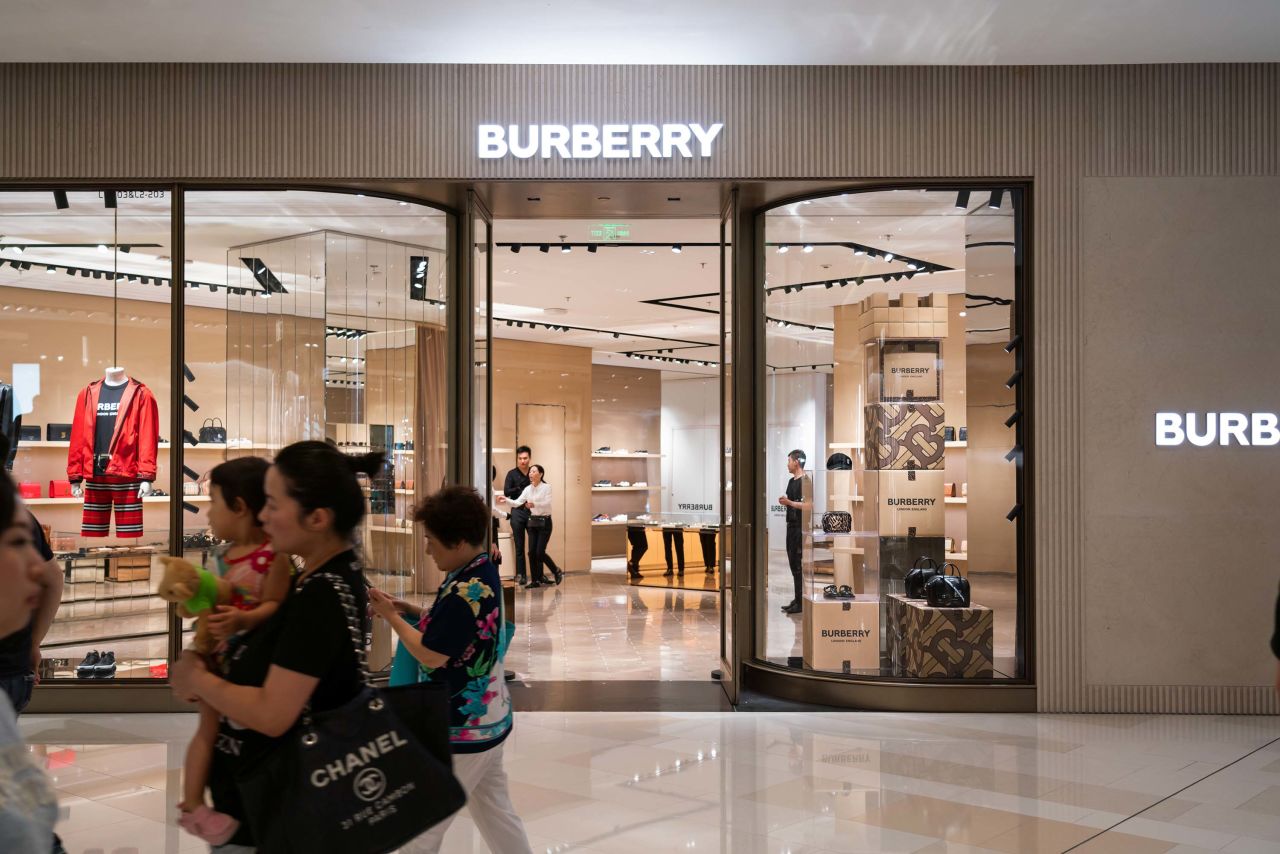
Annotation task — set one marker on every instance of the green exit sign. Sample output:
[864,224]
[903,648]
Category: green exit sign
[610,231]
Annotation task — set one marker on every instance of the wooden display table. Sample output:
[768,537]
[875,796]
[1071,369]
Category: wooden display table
[945,642]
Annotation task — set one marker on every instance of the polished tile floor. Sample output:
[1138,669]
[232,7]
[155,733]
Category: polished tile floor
[777,783]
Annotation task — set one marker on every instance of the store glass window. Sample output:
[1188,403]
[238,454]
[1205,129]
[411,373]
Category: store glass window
[316,315]
[892,399]
[85,402]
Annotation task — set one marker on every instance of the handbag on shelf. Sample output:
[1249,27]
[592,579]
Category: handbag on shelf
[57,432]
[946,590]
[309,795]
[59,489]
[29,434]
[919,576]
[836,522]
[27,489]
[212,432]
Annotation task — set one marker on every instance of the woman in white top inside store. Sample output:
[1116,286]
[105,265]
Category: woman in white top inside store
[537,497]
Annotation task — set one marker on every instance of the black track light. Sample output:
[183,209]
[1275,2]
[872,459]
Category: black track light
[1014,513]
[189,439]
[508,323]
[616,335]
[565,249]
[997,199]
[544,248]
[190,404]
[676,248]
[190,472]
[1014,380]
[515,248]
[962,200]
[125,247]
[828,285]
[1013,344]
[60,200]
[109,199]
[885,279]
[1013,419]
[591,247]
[1014,453]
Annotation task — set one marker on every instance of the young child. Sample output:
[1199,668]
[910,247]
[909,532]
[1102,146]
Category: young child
[260,580]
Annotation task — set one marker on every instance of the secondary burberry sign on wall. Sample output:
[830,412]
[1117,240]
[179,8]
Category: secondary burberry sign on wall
[589,142]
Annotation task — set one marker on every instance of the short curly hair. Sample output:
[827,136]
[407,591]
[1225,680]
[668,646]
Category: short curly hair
[455,514]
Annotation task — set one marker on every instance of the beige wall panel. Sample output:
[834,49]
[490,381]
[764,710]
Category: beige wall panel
[529,372]
[1180,547]
[626,412]
[1054,125]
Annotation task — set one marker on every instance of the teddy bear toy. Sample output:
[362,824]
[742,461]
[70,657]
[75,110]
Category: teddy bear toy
[195,590]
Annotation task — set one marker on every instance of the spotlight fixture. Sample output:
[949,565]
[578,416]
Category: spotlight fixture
[60,200]
[783,249]
[1014,453]
[911,266]
[858,250]
[565,249]
[1014,380]
[964,314]
[189,438]
[51,269]
[17,250]
[1013,419]
[109,199]
[888,256]
[515,248]
[1013,344]
[102,247]
[962,200]
[616,335]
[808,247]
[1014,513]
[885,279]
[544,248]
[508,323]
[997,199]
[675,247]
[827,285]
[591,247]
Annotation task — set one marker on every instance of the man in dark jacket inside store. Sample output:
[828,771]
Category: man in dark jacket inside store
[517,480]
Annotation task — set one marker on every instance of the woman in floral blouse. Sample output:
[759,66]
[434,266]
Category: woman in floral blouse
[460,642]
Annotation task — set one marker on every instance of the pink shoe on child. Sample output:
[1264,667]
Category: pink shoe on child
[213,827]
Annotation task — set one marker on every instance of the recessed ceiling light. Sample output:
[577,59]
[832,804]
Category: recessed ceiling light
[808,247]
[964,314]
[782,250]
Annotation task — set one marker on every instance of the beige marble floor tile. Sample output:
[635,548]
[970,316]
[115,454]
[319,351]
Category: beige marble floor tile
[1039,835]
[1123,843]
[1266,802]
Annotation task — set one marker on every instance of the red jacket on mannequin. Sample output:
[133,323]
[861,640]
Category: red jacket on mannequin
[133,443]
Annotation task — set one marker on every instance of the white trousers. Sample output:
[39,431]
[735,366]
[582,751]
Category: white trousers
[489,804]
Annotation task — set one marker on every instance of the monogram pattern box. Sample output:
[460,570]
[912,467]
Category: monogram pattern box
[904,436]
[954,643]
[905,503]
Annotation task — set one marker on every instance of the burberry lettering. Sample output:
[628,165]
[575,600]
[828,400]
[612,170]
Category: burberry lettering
[912,502]
[589,142]
[846,633]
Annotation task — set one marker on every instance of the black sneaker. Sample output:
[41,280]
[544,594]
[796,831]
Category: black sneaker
[106,666]
[85,669]
[787,607]
[793,608]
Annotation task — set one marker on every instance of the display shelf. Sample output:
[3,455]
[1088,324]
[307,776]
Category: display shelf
[954,556]
[960,500]
[163,446]
[153,499]
[627,456]
[609,524]
[856,499]
[625,488]
[847,550]
[839,446]
[387,529]
[957,444]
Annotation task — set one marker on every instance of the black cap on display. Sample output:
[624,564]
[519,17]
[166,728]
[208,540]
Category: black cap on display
[839,462]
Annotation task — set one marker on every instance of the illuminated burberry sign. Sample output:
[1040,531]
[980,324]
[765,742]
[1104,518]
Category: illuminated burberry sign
[589,142]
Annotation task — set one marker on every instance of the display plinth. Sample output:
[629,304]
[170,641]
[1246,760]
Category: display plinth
[942,642]
[842,635]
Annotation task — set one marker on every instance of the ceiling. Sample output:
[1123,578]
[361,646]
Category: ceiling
[713,32]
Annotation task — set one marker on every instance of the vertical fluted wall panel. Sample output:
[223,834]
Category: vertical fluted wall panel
[1054,125]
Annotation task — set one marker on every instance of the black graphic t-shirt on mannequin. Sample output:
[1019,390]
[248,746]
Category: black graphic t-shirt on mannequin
[105,425]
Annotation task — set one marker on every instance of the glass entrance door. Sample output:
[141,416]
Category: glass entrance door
[729,658]
[480,246]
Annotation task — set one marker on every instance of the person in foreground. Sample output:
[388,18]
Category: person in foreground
[28,808]
[461,642]
[304,653]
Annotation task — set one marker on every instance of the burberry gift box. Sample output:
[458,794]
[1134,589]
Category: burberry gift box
[904,436]
[905,503]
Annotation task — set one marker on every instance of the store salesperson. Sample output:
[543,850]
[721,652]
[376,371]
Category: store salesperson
[798,507]
[517,480]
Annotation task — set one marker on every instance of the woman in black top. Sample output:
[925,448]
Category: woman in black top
[304,652]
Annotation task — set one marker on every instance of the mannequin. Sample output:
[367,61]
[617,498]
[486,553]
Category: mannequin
[111,462]
[115,377]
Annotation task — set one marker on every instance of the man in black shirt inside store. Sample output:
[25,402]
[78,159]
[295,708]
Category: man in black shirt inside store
[798,501]
[517,480]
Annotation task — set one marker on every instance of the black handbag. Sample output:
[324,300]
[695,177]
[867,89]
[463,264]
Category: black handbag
[947,591]
[537,522]
[919,576]
[29,434]
[836,522]
[212,432]
[351,780]
[57,432]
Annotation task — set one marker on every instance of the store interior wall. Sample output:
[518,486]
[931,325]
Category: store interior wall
[626,412]
[691,443]
[528,372]
[1181,543]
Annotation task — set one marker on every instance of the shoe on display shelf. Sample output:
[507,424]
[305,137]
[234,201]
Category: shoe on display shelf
[621,517]
[603,483]
[624,483]
[106,666]
[622,452]
[641,451]
[604,449]
[600,517]
[86,669]
[641,483]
